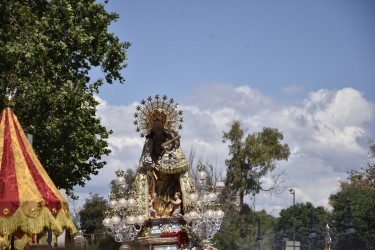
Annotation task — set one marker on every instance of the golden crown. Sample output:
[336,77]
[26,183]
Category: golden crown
[157,109]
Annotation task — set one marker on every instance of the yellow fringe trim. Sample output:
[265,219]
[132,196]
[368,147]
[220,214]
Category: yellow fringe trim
[20,244]
[4,242]
[29,225]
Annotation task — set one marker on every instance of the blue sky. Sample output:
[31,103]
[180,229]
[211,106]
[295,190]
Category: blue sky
[268,45]
[304,67]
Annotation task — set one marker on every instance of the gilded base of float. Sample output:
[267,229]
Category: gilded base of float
[153,241]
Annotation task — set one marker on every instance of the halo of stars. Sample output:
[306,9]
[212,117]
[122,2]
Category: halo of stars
[143,114]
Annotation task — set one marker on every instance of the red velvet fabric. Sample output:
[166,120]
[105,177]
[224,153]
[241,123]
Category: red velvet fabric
[182,237]
[9,198]
[51,200]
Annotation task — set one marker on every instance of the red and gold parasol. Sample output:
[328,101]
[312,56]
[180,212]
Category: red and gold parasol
[30,203]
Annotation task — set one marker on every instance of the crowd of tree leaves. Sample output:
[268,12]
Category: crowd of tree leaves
[252,157]
[240,226]
[49,47]
[354,206]
[308,219]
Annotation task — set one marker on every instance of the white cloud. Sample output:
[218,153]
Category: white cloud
[327,134]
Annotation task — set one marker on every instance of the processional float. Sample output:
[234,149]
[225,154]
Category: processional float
[30,203]
[163,208]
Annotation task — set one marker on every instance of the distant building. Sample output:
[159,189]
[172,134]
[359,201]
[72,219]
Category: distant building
[288,245]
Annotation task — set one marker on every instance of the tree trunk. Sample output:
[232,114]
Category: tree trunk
[241,194]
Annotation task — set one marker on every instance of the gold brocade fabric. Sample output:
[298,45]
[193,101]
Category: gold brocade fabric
[187,186]
[173,162]
[139,192]
[38,204]
[161,177]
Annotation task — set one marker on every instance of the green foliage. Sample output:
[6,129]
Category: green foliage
[92,214]
[240,226]
[361,201]
[252,157]
[238,230]
[51,46]
[303,225]
[365,178]
[91,217]
[356,200]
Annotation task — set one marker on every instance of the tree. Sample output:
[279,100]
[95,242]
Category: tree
[92,214]
[237,230]
[354,206]
[47,48]
[308,219]
[365,178]
[253,157]
[91,217]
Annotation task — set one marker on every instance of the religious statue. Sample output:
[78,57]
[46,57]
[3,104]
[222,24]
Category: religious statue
[162,179]
[176,205]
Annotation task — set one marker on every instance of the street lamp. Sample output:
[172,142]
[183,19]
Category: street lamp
[293,192]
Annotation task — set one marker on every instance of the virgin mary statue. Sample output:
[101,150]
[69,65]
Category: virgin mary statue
[163,173]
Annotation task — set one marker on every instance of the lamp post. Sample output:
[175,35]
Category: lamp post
[293,192]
